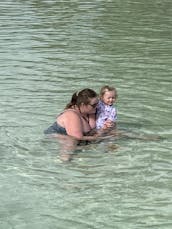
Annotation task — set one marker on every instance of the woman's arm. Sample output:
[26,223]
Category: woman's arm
[74,126]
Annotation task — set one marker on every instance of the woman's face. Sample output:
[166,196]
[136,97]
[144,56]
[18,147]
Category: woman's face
[91,107]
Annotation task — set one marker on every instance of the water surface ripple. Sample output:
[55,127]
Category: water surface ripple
[49,49]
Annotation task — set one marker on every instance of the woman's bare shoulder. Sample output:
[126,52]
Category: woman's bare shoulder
[71,113]
[68,116]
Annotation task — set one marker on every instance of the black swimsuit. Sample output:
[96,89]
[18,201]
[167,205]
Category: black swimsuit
[55,128]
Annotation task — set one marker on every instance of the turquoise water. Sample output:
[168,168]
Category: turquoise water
[49,49]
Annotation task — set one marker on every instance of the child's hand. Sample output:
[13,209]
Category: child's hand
[108,124]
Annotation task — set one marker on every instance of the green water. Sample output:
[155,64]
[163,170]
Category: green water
[49,49]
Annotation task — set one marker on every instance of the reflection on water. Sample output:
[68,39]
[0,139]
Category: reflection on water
[49,49]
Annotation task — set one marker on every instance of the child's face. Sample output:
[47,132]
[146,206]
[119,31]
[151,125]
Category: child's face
[109,97]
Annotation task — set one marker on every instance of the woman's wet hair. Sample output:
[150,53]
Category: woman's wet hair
[81,97]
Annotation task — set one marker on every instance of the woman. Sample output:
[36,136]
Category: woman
[78,118]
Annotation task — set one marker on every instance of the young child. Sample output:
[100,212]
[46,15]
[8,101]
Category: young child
[106,113]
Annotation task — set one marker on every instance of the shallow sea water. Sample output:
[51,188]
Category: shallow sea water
[49,49]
